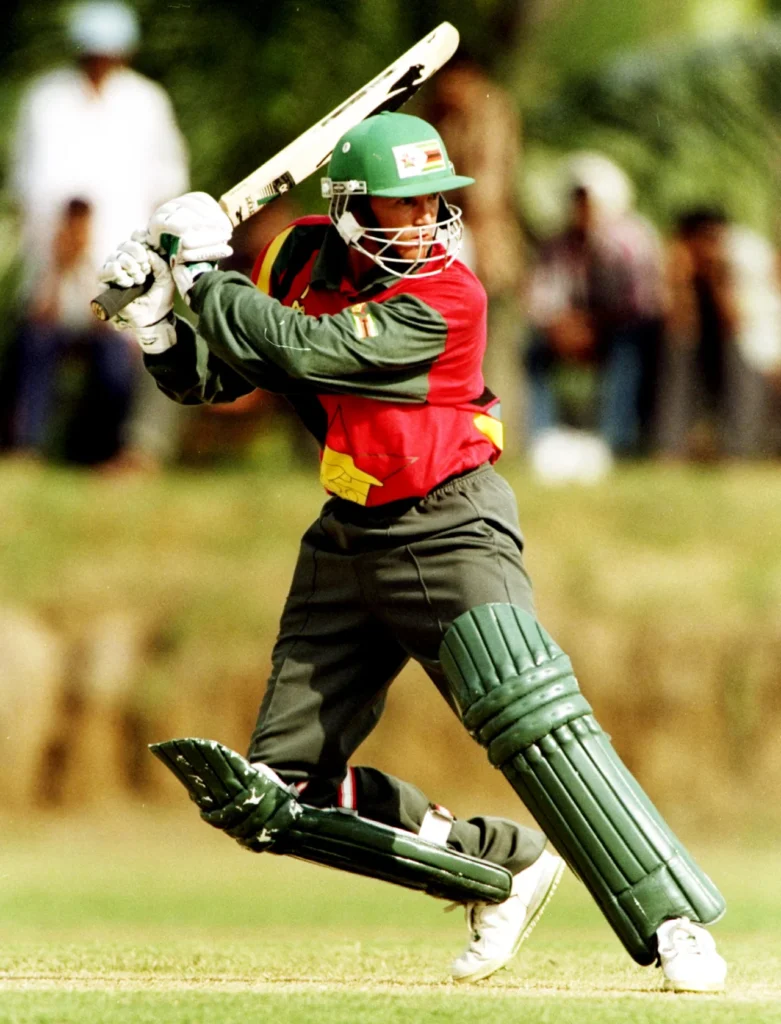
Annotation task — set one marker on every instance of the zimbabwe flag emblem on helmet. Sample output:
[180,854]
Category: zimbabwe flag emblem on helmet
[415,158]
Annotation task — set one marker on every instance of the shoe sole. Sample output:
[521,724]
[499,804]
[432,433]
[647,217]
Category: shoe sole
[548,888]
[545,898]
[671,986]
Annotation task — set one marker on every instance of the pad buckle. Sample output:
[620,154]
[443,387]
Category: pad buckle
[436,825]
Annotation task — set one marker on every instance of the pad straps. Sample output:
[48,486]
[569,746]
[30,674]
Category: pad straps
[519,698]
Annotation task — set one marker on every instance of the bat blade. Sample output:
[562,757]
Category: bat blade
[309,152]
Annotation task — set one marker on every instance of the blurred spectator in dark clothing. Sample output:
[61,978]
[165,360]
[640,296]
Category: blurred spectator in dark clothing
[79,136]
[58,325]
[595,305]
[712,401]
[479,123]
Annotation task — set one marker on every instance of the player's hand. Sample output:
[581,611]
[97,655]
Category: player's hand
[192,232]
[149,316]
[129,264]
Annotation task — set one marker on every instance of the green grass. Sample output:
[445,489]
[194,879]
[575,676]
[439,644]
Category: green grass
[91,532]
[149,917]
[214,550]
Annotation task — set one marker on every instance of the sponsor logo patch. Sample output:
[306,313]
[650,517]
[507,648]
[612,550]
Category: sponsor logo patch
[298,304]
[363,322]
[340,476]
[414,158]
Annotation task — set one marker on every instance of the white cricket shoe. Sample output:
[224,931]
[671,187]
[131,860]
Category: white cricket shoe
[688,957]
[496,930]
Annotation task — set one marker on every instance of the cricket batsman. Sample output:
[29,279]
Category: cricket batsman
[374,331]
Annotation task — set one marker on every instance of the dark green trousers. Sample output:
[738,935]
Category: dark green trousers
[373,588]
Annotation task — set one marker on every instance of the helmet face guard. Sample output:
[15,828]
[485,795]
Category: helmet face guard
[437,244]
[393,155]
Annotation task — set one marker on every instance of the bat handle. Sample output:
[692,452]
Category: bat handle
[113,299]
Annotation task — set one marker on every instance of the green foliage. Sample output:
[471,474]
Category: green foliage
[691,123]
[247,78]
[601,29]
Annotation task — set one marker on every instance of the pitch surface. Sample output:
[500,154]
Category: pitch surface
[150,918]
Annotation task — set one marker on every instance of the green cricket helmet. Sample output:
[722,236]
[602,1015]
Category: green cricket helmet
[391,155]
[395,156]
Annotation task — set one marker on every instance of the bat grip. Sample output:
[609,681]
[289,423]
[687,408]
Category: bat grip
[113,299]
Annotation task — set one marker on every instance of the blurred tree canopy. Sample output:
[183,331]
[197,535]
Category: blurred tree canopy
[247,78]
[689,119]
[690,123]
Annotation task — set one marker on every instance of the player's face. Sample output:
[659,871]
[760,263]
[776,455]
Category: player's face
[417,213]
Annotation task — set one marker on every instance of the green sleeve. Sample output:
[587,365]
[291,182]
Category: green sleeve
[192,375]
[383,351]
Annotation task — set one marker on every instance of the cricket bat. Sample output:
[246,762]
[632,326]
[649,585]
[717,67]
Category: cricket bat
[387,91]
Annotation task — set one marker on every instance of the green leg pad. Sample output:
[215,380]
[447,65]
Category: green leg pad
[519,698]
[342,839]
[261,812]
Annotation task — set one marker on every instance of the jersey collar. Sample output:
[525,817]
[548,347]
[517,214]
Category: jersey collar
[330,269]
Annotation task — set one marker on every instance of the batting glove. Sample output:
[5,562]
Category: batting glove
[192,232]
[150,316]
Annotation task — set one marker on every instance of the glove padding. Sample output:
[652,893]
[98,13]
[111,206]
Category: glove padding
[129,264]
[192,232]
[150,316]
[260,812]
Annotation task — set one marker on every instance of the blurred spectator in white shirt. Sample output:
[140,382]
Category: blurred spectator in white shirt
[102,134]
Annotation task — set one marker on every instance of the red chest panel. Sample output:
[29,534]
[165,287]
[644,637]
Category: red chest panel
[379,451]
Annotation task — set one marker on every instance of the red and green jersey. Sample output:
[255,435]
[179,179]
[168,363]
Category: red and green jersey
[388,378]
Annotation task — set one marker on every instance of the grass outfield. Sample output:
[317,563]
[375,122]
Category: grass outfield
[155,918]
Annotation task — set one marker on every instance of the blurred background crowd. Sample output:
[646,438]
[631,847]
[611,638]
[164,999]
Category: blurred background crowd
[624,221]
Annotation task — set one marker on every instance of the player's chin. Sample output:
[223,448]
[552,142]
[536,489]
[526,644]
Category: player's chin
[412,253]
[409,254]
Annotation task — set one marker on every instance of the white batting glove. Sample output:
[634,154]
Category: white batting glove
[193,233]
[150,316]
